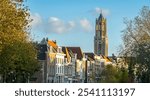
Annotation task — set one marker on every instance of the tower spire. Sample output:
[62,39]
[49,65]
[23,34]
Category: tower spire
[101,14]
[101,39]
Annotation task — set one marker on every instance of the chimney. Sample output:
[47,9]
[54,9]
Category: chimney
[86,56]
[55,41]
[75,55]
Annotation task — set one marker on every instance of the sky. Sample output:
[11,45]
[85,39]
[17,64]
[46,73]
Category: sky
[72,22]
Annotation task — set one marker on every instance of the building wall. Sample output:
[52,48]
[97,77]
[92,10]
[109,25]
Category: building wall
[55,70]
[69,69]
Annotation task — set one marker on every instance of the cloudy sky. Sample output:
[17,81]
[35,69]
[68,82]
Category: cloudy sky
[72,22]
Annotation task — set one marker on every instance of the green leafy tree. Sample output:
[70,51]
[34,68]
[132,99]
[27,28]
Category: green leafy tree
[18,62]
[114,74]
[123,75]
[109,74]
[18,56]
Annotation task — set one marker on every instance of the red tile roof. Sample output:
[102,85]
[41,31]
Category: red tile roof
[90,55]
[76,50]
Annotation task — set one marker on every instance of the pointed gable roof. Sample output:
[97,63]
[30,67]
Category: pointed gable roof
[52,43]
[106,58]
[76,50]
[90,55]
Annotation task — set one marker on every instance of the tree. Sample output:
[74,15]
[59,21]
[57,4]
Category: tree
[123,75]
[114,74]
[136,47]
[109,74]
[18,56]
[14,22]
[18,62]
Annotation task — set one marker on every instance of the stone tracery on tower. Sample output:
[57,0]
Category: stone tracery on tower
[100,38]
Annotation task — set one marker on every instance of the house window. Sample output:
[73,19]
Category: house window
[60,61]
[59,79]
[102,64]
[56,60]
[62,69]
[58,69]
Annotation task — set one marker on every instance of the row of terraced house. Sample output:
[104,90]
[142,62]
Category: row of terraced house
[60,64]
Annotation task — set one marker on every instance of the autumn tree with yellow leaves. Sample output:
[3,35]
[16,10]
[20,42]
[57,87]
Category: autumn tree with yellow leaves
[18,56]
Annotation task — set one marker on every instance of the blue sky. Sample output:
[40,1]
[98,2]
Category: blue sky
[72,22]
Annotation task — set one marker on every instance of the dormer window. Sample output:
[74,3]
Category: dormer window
[59,49]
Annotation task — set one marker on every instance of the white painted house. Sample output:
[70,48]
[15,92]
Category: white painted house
[55,70]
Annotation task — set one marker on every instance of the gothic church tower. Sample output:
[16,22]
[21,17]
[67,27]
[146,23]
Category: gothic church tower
[100,38]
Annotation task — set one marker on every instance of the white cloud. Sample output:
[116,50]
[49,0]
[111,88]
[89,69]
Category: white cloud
[98,10]
[37,20]
[56,25]
[105,12]
[71,24]
[86,25]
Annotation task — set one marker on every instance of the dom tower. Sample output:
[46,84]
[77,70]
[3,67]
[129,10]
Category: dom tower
[100,38]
